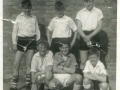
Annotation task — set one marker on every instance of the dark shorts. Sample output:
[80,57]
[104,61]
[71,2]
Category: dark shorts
[94,40]
[96,84]
[55,43]
[26,43]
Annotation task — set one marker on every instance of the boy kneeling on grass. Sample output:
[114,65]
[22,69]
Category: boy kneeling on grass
[94,71]
[64,66]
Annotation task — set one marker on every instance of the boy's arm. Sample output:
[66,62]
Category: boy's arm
[98,28]
[37,31]
[58,69]
[89,76]
[80,31]
[74,39]
[49,37]
[70,70]
[33,76]
[14,35]
[99,77]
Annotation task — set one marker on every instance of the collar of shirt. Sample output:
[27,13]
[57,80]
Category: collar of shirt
[57,18]
[68,56]
[97,65]
[23,14]
[85,9]
[38,55]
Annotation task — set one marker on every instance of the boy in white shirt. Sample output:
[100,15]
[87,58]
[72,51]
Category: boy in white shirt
[94,71]
[61,28]
[89,24]
[41,65]
[24,37]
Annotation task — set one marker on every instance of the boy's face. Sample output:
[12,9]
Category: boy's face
[42,49]
[60,13]
[89,4]
[93,59]
[27,10]
[64,49]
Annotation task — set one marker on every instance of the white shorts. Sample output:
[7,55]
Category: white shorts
[63,78]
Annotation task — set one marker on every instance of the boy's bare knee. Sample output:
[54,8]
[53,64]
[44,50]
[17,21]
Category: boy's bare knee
[104,86]
[86,81]
[51,85]
[78,78]
[49,75]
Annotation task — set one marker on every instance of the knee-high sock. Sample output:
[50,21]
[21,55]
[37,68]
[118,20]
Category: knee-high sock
[15,81]
[28,79]
[76,87]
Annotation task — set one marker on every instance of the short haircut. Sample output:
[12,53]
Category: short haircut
[43,42]
[26,3]
[93,51]
[64,43]
[59,5]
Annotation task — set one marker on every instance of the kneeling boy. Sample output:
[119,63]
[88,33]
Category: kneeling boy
[64,69]
[94,71]
[41,65]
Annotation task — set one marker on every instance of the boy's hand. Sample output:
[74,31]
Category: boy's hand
[14,48]
[89,44]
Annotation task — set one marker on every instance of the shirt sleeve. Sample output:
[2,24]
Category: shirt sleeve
[73,63]
[72,25]
[51,26]
[34,64]
[102,69]
[37,30]
[50,62]
[15,31]
[78,16]
[100,15]
[86,69]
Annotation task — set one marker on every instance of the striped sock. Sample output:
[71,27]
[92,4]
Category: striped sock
[15,81]
[28,79]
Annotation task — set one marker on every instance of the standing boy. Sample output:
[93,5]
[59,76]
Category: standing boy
[94,71]
[41,65]
[64,69]
[24,36]
[89,24]
[60,27]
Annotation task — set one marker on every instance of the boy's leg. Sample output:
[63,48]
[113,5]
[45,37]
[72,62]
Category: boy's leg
[75,79]
[104,86]
[47,79]
[87,84]
[55,83]
[18,59]
[29,57]
[83,59]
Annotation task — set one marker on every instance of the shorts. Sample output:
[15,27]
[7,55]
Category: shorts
[96,84]
[94,39]
[55,43]
[63,78]
[26,43]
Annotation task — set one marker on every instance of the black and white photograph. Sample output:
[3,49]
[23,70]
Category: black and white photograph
[60,44]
